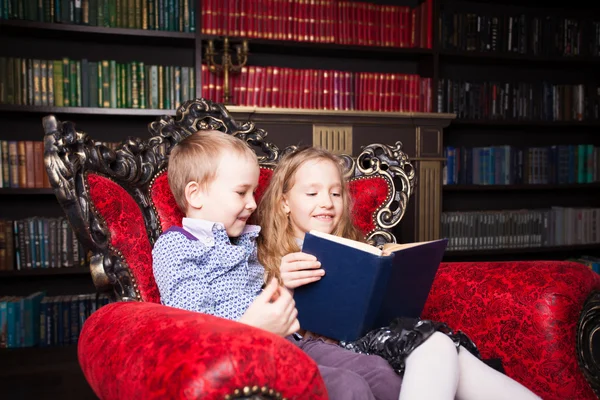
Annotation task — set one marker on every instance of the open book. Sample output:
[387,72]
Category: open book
[365,287]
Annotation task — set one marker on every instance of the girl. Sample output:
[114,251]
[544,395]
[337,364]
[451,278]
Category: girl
[307,191]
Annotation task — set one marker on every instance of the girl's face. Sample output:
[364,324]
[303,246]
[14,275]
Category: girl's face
[315,201]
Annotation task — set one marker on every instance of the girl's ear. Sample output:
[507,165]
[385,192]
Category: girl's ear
[194,195]
[285,205]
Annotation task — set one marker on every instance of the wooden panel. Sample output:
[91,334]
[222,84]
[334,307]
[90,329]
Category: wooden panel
[335,138]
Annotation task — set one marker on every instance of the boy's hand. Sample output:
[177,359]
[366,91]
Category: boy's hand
[299,268]
[273,310]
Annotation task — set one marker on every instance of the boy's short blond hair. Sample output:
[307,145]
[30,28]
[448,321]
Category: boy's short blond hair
[197,158]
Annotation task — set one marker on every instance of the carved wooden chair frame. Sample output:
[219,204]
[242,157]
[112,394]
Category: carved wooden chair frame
[70,154]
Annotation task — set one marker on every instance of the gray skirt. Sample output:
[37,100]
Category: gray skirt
[395,342]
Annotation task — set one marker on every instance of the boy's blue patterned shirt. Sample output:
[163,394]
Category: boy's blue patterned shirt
[198,268]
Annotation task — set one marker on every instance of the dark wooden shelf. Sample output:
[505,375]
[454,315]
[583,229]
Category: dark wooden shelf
[31,272]
[26,192]
[327,49]
[97,32]
[486,188]
[522,250]
[85,110]
[514,58]
[524,123]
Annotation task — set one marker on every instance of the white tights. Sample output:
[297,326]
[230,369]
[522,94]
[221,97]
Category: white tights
[436,371]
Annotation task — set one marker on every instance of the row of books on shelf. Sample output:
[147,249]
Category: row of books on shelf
[321,21]
[163,15]
[84,83]
[322,89]
[539,101]
[539,35]
[512,229]
[38,320]
[37,242]
[22,164]
[516,165]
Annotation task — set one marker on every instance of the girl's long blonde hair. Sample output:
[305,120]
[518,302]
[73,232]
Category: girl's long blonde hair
[277,235]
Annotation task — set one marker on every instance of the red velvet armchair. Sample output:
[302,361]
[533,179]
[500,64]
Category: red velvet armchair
[540,318]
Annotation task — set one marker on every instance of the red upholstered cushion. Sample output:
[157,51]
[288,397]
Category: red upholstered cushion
[163,352]
[522,312]
[168,211]
[127,230]
[368,195]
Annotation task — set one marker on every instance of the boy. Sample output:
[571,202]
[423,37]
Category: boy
[198,267]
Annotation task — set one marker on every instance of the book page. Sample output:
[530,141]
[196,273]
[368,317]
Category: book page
[391,247]
[348,242]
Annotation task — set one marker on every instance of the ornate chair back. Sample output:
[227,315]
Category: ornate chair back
[118,201]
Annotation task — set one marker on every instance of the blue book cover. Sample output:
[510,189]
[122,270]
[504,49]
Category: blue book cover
[363,287]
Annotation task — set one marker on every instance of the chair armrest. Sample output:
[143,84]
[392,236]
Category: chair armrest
[148,351]
[529,314]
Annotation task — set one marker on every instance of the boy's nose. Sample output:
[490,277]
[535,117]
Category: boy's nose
[251,205]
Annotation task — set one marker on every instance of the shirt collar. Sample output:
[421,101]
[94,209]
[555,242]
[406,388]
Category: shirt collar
[203,229]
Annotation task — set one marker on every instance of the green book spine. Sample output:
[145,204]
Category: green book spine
[123,85]
[66,83]
[24,83]
[50,82]
[79,77]
[113,83]
[74,83]
[192,83]
[44,81]
[129,92]
[37,87]
[142,84]
[112,17]
[138,14]
[120,14]
[135,93]
[99,80]
[192,15]
[177,88]
[131,14]
[106,84]
[58,83]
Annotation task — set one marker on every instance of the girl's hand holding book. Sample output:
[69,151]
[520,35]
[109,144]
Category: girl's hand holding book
[299,269]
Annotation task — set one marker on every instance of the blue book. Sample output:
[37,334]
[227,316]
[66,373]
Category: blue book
[365,287]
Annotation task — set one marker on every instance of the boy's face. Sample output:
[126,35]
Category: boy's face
[315,201]
[229,198]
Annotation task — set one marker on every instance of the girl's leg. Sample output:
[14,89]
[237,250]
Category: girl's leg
[431,370]
[435,370]
[479,381]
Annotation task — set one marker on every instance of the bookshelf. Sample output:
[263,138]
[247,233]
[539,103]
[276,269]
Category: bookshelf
[483,178]
[425,56]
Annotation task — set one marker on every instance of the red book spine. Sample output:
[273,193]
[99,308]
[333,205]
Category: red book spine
[259,87]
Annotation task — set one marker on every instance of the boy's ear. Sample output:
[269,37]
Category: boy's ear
[194,195]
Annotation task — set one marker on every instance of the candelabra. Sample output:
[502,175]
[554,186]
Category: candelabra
[227,64]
